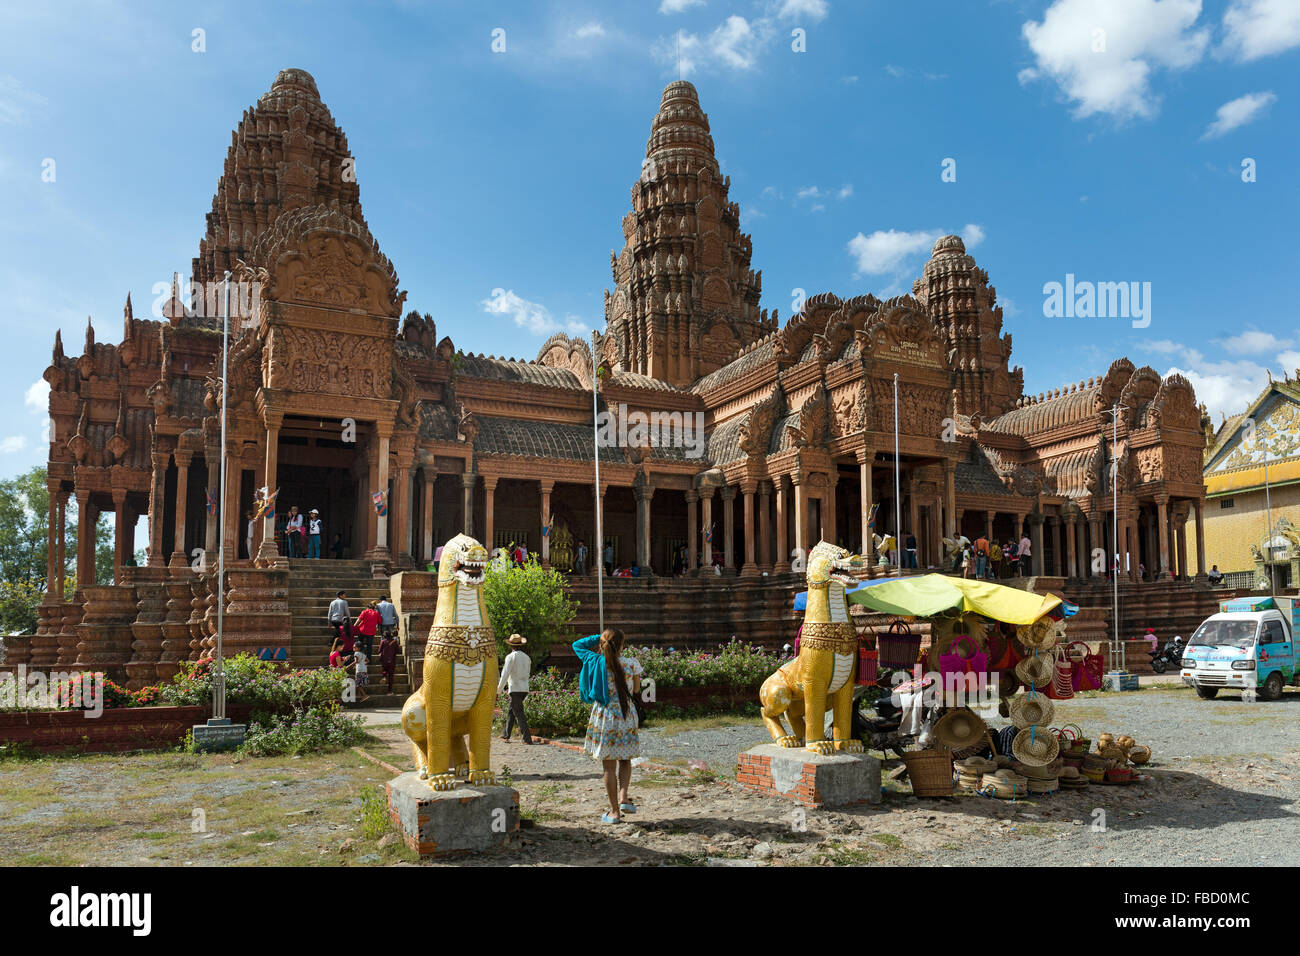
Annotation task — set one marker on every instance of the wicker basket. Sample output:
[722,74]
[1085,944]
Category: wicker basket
[899,648]
[930,772]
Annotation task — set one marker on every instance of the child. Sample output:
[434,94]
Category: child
[388,659]
[610,681]
[336,653]
[361,674]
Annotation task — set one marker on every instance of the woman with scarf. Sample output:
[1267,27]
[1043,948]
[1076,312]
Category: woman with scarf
[610,682]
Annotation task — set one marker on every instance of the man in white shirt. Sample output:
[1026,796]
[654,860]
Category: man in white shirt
[313,535]
[514,677]
[340,618]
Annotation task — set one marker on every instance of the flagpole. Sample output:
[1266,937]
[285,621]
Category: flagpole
[898,496]
[595,445]
[219,675]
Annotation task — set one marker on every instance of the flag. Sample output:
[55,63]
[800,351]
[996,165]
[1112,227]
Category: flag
[264,503]
[708,534]
[546,528]
[871,518]
[381,504]
[212,500]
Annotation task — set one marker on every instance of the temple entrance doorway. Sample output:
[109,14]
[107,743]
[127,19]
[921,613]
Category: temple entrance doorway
[316,469]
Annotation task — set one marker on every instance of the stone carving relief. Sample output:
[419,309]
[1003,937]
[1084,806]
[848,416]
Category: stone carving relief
[338,364]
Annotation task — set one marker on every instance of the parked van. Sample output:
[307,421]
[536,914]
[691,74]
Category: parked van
[1249,645]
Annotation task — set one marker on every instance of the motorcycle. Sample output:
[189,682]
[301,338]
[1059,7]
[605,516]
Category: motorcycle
[1171,655]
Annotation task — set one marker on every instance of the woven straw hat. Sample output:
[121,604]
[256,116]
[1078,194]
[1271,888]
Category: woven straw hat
[959,728]
[977,765]
[1045,785]
[1042,635]
[1005,784]
[1035,746]
[1036,670]
[1032,709]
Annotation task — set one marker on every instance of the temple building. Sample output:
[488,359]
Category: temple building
[333,397]
[1259,447]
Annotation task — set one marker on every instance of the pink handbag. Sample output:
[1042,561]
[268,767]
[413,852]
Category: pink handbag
[974,661]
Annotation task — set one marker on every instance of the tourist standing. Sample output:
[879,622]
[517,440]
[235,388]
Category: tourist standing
[340,617]
[515,671]
[248,533]
[580,561]
[387,616]
[1024,552]
[1013,557]
[313,535]
[965,561]
[388,659]
[368,626]
[910,541]
[292,529]
[610,680]
[981,557]
[609,558]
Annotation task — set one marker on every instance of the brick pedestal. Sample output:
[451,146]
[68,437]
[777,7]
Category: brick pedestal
[455,822]
[840,780]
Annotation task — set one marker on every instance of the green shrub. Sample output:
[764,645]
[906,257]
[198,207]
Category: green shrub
[374,813]
[262,685]
[315,729]
[531,601]
[735,664]
[553,707]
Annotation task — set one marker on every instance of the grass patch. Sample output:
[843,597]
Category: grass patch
[671,726]
[887,839]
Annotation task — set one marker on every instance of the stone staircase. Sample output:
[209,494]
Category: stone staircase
[312,586]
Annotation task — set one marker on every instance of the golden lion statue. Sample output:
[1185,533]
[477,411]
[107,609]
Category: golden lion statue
[826,667]
[460,676]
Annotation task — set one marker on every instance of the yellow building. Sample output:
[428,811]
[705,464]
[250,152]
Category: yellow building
[1259,446]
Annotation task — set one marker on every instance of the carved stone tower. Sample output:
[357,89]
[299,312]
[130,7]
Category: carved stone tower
[685,299]
[962,306]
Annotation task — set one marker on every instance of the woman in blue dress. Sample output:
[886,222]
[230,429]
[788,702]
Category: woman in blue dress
[610,680]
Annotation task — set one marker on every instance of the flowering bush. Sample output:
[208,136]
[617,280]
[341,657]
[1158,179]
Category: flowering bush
[320,727]
[553,707]
[262,685]
[82,688]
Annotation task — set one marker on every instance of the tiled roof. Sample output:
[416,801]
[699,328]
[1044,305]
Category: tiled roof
[1049,413]
[780,439]
[437,422]
[724,440]
[513,370]
[1072,472]
[636,380]
[533,439]
[409,349]
[756,357]
[187,398]
[975,475]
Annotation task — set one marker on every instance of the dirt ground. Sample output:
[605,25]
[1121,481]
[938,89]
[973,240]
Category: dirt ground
[1221,790]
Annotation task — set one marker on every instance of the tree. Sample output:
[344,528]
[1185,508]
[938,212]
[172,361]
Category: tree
[531,601]
[24,548]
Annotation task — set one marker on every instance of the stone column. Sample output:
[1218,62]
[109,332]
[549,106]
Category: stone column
[829,532]
[800,517]
[86,540]
[1134,549]
[750,568]
[728,527]
[210,530]
[599,550]
[402,515]
[429,479]
[54,541]
[179,558]
[864,497]
[489,510]
[782,562]
[949,499]
[764,528]
[1071,557]
[267,552]
[988,528]
[1180,536]
[1036,542]
[467,505]
[692,547]
[1162,525]
[546,486]
[123,535]
[913,521]
[1097,541]
[1201,574]
[643,492]
[706,530]
[382,552]
[230,508]
[61,567]
[157,490]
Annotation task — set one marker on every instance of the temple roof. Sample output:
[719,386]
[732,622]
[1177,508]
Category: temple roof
[975,474]
[515,370]
[1074,406]
[535,439]
[746,362]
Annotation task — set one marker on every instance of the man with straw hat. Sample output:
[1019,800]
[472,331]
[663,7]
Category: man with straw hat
[515,670]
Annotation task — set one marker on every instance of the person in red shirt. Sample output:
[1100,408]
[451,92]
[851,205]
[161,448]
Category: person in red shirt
[367,626]
[336,653]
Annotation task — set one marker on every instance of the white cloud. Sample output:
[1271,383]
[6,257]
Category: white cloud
[533,316]
[669,7]
[1238,112]
[809,192]
[589,30]
[37,397]
[845,191]
[18,103]
[12,444]
[1260,28]
[889,252]
[814,10]
[1254,342]
[1135,38]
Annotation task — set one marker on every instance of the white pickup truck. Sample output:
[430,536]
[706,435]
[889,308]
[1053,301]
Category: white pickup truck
[1248,646]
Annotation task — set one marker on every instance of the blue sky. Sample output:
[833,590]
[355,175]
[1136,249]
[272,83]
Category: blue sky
[483,170]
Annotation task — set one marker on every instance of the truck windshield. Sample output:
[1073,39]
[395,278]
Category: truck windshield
[1225,634]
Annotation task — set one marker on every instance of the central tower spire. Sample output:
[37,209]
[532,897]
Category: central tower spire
[685,300]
